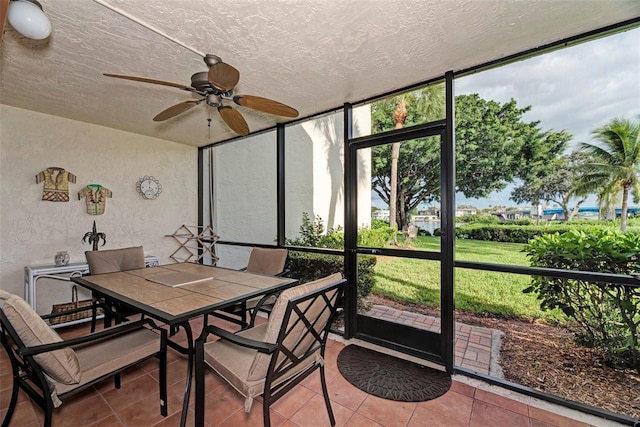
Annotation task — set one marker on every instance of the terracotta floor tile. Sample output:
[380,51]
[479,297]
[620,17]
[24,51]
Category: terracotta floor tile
[136,403]
[331,355]
[537,423]
[23,416]
[313,380]
[389,413]
[485,414]
[6,378]
[82,412]
[554,419]
[462,388]
[345,393]
[132,392]
[176,371]
[452,404]
[358,420]
[173,420]
[291,402]
[221,403]
[5,397]
[110,421]
[314,414]
[503,402]
[253,418]
[211,383]
[147,411]
[423,416]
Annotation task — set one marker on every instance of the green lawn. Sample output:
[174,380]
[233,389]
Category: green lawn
[501,294]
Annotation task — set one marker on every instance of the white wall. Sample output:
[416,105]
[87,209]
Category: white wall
[32,230]
[244,183]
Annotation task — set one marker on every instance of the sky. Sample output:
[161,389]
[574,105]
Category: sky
[576,89]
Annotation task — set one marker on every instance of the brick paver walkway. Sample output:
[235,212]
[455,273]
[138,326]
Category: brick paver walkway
[476,348]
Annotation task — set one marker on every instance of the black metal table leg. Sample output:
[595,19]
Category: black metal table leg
[189,352]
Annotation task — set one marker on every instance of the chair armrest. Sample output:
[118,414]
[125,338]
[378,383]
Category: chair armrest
[283,272]
[262,347]
[106,333]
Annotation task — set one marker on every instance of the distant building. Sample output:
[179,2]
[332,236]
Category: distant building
[465,211]
[380,214]
[513,214]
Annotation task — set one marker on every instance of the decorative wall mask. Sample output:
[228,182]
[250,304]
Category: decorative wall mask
[96,196]
[56,184]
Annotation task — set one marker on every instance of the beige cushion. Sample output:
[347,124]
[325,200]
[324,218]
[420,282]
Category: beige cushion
[61,365]
[245,369]
[100,358]
[112,260]
[232,361]
[267,261]
[261,363]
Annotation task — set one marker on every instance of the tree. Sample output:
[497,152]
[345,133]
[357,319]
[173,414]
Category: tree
[399,117]
[557,185]
[491,142]
[615,166]
[428,105]
[418,174]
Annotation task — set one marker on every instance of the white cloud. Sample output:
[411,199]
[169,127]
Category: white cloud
[578,88]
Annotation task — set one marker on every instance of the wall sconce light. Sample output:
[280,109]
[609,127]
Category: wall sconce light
[28,18]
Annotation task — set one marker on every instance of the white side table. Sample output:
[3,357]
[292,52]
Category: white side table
[64,272]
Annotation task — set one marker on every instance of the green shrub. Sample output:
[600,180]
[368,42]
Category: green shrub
[478,219]
[312,234]
[375,237]
[509,232]
[608,316]
[379,223]
[307,267]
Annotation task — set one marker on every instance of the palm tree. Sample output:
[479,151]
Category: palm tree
[429,105]
[399,117]
[615,166]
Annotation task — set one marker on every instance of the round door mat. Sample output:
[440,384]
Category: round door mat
[391,378]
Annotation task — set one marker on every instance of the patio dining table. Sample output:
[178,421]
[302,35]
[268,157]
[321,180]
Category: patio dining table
[177,293]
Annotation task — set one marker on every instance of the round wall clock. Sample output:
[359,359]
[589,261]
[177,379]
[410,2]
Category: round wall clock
[149,187]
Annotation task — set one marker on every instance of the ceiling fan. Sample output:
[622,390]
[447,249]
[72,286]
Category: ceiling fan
[215,86]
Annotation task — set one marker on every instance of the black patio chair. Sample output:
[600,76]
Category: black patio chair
[272,358]
[50,370]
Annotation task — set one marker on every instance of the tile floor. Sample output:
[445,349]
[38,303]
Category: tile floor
[135,404]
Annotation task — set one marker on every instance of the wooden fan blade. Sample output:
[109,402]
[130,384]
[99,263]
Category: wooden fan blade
[234,120]
[174,110]
[146,80]
[265,105]
[223,76]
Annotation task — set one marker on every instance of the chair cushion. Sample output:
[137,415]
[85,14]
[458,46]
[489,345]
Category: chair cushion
[232,361]
[101,358]
[61,365]
[267,261]
[112,260]
[261,362]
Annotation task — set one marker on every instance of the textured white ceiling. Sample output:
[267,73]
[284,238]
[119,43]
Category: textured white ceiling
[312,55]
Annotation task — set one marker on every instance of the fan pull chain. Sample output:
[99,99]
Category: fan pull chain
[209,125]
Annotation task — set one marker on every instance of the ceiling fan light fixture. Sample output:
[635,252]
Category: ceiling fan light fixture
[27,17]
